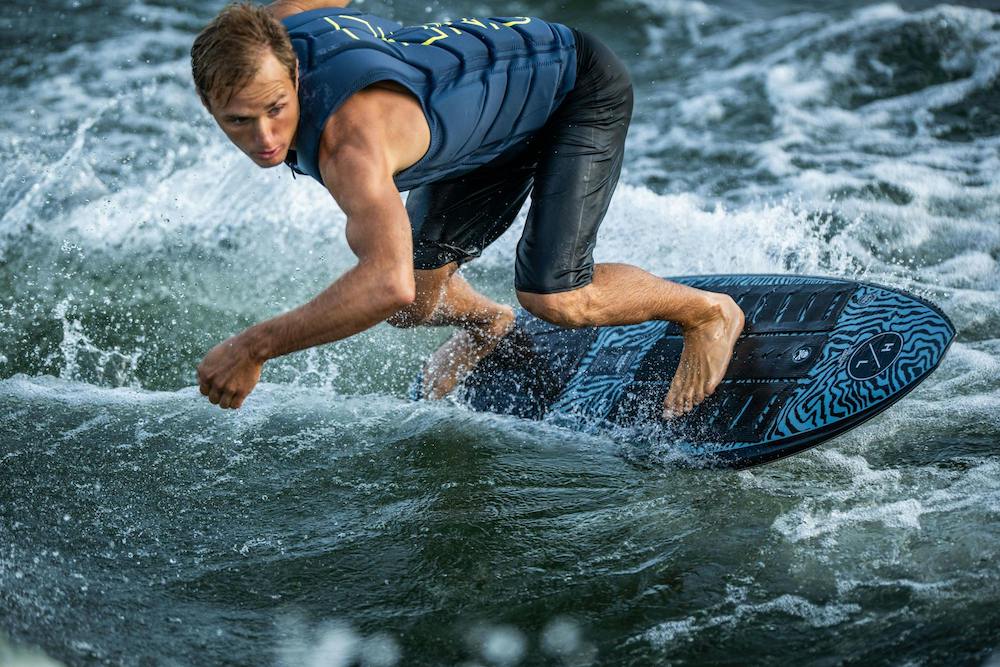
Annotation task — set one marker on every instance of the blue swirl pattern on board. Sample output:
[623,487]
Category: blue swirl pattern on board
[595,388]
[830,394]
[615,379]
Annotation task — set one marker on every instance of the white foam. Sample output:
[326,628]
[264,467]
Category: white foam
[890,499]
[860,473]
[802,78]
[668,234]
[971,371]
[816,615]
[933,590]
[804,524]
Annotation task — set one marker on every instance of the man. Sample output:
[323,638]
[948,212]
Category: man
[470,116]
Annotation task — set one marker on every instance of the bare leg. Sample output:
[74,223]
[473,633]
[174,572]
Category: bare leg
[444,298]
[623,294]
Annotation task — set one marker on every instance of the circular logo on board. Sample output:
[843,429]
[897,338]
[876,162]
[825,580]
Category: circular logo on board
[874,355]
[802,354]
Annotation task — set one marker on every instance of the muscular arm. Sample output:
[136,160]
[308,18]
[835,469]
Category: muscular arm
[375,134]
[360,153]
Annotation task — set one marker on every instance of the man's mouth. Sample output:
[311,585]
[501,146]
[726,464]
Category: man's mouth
[267,155]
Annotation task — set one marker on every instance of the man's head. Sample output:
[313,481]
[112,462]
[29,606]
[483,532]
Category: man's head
[246,74]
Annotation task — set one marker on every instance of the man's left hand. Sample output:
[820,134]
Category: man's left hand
[229,372]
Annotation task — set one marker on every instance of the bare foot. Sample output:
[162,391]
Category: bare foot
[708,347]
[459,355]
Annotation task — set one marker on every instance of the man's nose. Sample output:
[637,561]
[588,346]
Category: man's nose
[263,133]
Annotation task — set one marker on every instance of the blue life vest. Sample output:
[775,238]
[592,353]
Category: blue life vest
[484,84]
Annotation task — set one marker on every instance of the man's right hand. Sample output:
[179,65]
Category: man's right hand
[229,372]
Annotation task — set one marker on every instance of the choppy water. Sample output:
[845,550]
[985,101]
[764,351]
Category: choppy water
[332,521]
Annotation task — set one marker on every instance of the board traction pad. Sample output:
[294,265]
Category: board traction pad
[813,361]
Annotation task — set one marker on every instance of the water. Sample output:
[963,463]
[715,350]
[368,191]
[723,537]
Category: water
[332,522]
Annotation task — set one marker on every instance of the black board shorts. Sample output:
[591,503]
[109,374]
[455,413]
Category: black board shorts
[570,168]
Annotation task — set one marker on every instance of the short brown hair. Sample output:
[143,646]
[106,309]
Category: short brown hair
[226,53]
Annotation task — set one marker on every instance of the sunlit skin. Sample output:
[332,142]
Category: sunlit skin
[378,132]
[261,118]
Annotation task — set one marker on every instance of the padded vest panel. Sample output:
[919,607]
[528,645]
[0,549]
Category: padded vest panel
[483,84]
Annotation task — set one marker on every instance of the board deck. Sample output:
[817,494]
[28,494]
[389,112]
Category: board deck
[818,356]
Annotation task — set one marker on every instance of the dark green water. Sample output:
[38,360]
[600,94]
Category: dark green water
[332,522]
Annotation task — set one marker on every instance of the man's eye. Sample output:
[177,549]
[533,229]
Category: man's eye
[274,111]
[238,121]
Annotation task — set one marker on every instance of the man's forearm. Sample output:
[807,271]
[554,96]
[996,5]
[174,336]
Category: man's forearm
[358,300]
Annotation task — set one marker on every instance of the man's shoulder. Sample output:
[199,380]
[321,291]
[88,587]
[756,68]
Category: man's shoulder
[383,108]
[381,119]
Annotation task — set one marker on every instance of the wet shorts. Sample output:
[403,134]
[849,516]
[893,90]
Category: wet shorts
[570,167]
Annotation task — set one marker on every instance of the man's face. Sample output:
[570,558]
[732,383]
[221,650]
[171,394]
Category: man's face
[261,118]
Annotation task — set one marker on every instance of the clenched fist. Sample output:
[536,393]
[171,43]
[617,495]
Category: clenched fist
[229,372]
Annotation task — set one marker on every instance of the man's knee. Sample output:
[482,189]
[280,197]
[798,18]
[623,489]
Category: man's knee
[572,309]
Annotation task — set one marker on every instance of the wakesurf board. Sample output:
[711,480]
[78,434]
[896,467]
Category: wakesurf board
[818,356]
